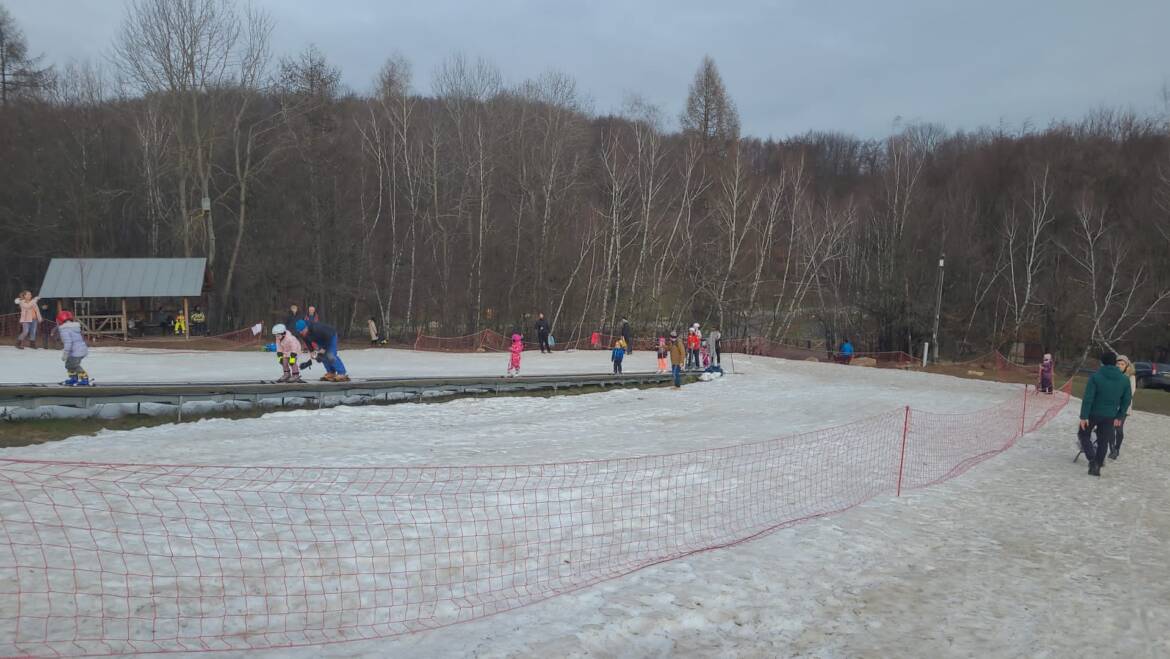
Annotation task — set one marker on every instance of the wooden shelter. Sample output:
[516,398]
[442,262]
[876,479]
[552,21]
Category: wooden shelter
[84,280]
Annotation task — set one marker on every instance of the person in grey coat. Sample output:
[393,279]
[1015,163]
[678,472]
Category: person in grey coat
[73,349]
[716,349]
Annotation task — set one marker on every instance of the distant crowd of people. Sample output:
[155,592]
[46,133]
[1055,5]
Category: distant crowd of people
[694,352]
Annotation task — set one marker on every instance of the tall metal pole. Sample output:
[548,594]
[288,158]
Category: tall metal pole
[938,305]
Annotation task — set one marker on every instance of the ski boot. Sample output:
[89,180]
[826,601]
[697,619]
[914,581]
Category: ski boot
[284,378]
[71,381]
[83,381]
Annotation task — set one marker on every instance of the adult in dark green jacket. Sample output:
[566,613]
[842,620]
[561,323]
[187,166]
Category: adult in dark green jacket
[1107,398]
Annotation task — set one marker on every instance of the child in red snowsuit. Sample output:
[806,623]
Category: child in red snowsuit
[514,360]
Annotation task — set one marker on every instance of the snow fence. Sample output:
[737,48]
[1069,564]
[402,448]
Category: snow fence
[126,558]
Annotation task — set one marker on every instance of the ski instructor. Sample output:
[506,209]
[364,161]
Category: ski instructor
[322,339]
[543,329]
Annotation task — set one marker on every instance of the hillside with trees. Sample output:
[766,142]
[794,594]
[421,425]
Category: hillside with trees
[476,202]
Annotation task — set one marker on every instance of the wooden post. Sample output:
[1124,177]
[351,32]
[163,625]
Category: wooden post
[186,321]
[125,324]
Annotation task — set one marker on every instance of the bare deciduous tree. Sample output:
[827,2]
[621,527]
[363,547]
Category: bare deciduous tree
[1026,247]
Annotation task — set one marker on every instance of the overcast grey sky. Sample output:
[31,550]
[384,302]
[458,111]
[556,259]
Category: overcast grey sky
[791,65]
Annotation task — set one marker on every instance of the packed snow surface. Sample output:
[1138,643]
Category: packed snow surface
[1024,555]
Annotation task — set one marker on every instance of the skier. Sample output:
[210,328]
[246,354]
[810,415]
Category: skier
[322,339]
[514,358]
[846,354]
[73,349]
[677,356]
[663,353]
[1126,367]
[1103,407]
[287,347]
[30,317]
[619,353]
[543,329]
[705,353]
[693,343]
[1046,368]
[626,335]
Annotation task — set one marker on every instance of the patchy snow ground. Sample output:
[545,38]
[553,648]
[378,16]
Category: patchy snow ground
[1024,555]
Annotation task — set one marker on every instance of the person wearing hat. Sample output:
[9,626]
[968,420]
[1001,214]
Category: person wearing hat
[626,336]
[1103,409]
[1126,368]
[1047,366]
[694,342]
[73,349]
[322,339]
[287,347]
[678,355]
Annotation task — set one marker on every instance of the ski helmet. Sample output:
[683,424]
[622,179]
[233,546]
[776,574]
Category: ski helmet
[64,316]
[279,328]
[302,325]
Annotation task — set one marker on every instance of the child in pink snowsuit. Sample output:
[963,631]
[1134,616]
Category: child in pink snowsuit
[287,347]
[514,360]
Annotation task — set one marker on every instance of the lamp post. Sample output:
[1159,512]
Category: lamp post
[938,305]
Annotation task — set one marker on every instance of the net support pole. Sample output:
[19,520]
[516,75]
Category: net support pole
[902,457]
[1024,411]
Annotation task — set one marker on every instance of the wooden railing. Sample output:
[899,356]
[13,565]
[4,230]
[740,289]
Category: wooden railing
[103,325]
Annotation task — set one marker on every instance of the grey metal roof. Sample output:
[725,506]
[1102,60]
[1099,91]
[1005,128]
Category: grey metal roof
[88,278]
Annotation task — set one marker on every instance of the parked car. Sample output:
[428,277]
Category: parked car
[1152,375]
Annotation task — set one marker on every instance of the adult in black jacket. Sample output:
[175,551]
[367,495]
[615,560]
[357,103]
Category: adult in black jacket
[294,314]
[542,331]
[626,335]
[322,338]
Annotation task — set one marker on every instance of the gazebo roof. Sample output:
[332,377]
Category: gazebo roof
[123,278]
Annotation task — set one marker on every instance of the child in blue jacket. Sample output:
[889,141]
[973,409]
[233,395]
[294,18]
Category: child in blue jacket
[619,353]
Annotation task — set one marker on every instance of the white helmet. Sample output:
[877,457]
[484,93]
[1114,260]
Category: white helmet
[279,328]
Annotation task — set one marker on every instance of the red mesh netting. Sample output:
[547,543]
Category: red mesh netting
[484,340]
[118,558]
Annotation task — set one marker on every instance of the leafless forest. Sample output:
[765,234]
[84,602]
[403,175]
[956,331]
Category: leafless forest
[478,201]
